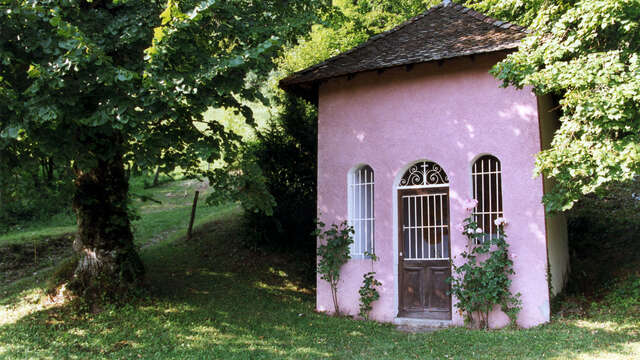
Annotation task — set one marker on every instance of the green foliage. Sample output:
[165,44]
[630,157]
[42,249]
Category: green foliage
[603,237]
[586,53]
[243,181]
[368,291]
[32,188]
[524,13]
[85,81]
[274,178]
[286,152]
[483,281]
[333,252]
[623,297]
[99,84]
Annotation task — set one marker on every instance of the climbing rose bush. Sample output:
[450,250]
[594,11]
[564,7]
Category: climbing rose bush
[483,280]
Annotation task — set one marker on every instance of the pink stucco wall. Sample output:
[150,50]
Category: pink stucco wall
[449,113]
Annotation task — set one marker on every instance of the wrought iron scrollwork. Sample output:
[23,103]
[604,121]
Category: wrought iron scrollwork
[424,173]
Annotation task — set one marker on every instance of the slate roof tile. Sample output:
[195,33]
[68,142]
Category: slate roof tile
[442,32]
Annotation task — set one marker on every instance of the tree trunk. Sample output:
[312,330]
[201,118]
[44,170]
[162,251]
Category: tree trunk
[108,262]
[50,171]
[334,294]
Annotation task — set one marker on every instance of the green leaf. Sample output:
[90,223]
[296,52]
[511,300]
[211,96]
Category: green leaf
[10,132]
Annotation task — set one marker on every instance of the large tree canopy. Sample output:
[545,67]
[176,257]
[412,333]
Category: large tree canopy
[587,54]
[103,83]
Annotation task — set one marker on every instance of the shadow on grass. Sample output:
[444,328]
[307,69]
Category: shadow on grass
[211,299]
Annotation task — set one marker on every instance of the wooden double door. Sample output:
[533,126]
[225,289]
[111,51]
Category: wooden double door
[424,253]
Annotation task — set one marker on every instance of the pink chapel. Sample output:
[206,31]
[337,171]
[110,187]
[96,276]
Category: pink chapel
[411,126]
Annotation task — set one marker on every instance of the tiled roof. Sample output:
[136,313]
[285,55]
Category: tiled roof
[442,32]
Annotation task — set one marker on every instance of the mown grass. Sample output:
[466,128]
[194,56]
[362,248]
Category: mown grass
[165,216]
[35,234]
[211,298]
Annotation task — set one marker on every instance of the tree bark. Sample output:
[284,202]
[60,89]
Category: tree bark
[108,264]
[50,171]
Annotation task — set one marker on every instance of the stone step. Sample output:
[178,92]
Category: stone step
[415,325]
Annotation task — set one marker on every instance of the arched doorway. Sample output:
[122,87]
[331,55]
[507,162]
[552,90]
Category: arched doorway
[424,242]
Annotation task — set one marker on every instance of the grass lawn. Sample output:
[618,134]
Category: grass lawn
[37,233]
[213,299]
[168,216]
[159,219]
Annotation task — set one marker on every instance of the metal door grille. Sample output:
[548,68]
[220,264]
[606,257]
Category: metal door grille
[426,226]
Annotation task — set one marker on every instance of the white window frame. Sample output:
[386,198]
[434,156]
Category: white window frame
[489,166]
[361,214]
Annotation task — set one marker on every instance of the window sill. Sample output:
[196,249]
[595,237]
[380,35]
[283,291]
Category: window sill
[360,257]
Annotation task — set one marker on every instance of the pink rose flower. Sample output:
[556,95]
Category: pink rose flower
[470,204]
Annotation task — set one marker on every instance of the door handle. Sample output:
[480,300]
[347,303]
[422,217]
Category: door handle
[400,254]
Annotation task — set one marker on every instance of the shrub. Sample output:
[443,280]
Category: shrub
[333,253]
[483,281]
[274,179]
[599,226]
[29,194]
[368,291]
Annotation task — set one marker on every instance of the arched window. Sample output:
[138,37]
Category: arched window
[486,175]
[361,214]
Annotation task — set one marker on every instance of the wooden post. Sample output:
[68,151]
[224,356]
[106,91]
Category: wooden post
[193,214]
[156,177]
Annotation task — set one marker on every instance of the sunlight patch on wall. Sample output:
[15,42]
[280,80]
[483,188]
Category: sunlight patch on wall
[527,113]
[470,130]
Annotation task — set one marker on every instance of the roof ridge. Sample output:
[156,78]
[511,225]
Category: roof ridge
[488,19]
[403,24]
